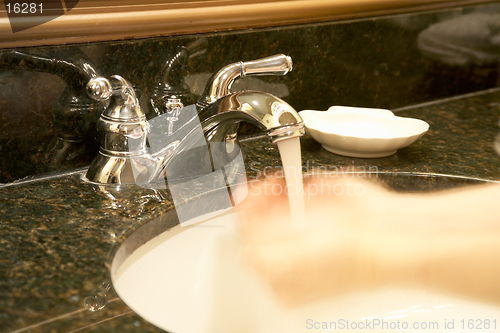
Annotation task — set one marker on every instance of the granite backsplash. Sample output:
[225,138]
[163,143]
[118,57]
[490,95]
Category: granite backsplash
[384,62]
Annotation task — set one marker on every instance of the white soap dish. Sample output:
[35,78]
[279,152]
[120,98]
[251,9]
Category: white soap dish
[362,132]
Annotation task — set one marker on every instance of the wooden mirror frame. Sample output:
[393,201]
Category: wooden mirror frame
[93,20]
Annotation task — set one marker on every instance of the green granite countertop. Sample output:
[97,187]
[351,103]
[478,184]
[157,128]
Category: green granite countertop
[58,233]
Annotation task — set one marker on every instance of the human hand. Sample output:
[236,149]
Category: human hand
[334,252]
[364,239]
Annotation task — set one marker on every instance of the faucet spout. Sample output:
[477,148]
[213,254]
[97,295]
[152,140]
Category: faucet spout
[269,113]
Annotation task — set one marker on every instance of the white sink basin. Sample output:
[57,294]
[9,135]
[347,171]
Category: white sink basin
[192,279]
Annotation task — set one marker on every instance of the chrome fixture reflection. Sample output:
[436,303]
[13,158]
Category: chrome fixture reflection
[74,112]
[170,90]
[204,139]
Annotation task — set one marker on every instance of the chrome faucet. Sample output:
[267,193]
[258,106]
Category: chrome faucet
[222,109]
[134,150]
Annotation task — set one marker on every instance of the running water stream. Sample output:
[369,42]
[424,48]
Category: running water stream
[291,158]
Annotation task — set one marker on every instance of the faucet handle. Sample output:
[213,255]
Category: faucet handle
[122,130]
[124,105]
[220,83]
[279,64]
[99,89]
